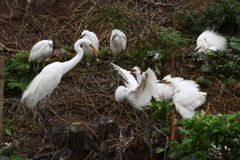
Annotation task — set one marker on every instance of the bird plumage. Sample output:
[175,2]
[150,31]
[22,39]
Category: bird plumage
[49,78]
[41,51]
[186,95]
[94,40]
[118,42]
[138,95]
[211,40]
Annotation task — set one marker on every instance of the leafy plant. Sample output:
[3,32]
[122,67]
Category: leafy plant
[222,64]
[159,110]
[204,133]
[18,73]
[222,15]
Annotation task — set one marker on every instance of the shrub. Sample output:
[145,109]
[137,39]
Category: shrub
[18,73]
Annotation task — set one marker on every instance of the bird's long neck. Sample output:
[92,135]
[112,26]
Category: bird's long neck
[74,61]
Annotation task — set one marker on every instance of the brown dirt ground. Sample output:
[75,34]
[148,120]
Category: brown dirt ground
[86,94]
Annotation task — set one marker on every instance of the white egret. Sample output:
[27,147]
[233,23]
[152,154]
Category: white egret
[86,34]
[186,95]
[138,95]
[41,51]
[49,78]
[137,71]
[118,42]
[165,92]
[211,40]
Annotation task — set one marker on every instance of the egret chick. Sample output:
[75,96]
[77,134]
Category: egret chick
[118,42]
[137,94]
[86,34]
[186,95]
[41,51]
[211,40]
[49,78]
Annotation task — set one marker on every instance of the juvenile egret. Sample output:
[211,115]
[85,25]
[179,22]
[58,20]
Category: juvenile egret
[41,51]
[118,42]
[94,40]
[49,78]
[165,92]
[137,71]
[186,95]
[138,95]
[211,40]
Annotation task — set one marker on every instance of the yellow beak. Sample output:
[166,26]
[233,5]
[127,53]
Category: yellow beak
[96,51]
[164,82]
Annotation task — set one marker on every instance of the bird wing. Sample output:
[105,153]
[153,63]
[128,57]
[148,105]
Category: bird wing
[147,88]
[43,84]
[40,49]
[188,100]
[129,79]
[165,91]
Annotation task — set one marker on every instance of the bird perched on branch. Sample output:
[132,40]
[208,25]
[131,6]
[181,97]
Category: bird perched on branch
[211,40]
[137,94]
[49,78]
[86,34]
[186,95]
[41,51]
[118,42]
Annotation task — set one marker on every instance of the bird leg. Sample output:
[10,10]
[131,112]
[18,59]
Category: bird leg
[43,114]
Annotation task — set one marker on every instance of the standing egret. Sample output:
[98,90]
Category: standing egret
[186,95]
[49,78]
[94,40]
[41,51]
[137,94]
[211,40]
[118,42]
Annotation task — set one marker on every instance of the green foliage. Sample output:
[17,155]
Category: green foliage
[117,18]
[18,72]
[235,43]
[169,38]
[222,15]
[222,64]
[159,110]
[206,132]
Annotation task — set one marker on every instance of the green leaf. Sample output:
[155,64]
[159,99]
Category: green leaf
[17,157]
[235,43]
[1,49]
[159,150]
[186,140]
[231,116]
[206,68]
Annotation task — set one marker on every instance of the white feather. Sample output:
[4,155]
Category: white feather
[41,51]
[138,95]
[210,39]
[118,42]
[94,40]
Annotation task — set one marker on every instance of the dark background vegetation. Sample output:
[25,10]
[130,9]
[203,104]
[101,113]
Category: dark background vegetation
[86,93]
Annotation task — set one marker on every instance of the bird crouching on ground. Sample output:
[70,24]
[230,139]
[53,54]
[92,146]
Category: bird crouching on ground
[40,52]
[212,41]
[186,95]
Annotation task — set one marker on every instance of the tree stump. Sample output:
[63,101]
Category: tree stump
[107,131]
[77,142]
